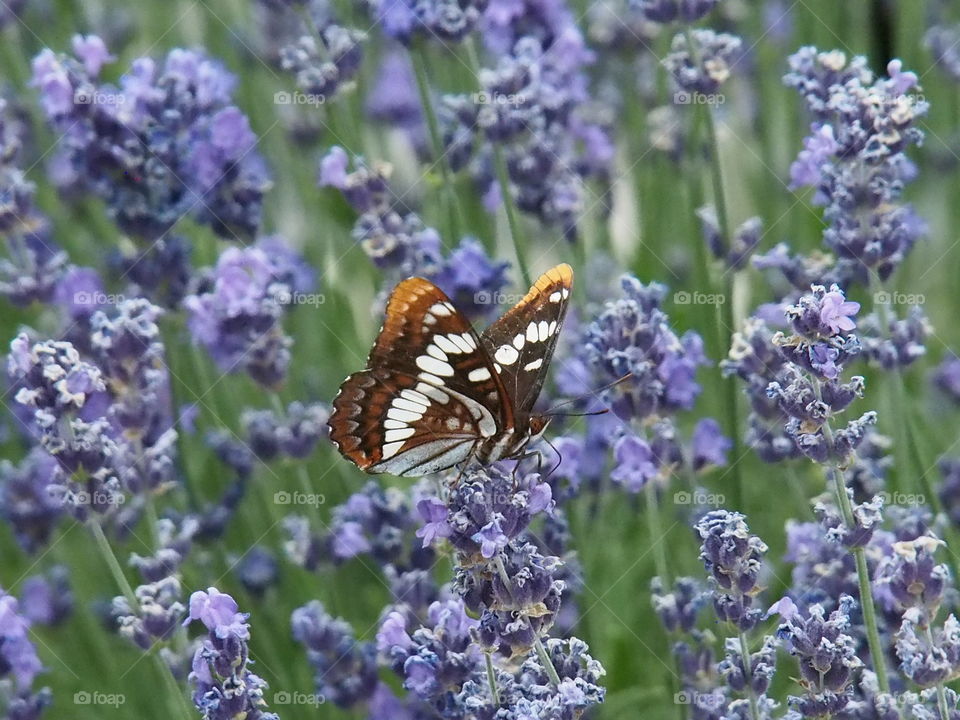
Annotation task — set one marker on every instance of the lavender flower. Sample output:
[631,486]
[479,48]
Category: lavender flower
[65,394]
[745,238]
[47,598]
[323,60]
[225,686]
[706,68]
[678,609]
[914,580]
[295,436]
[18,656]
[164,144]
[346,670]
[632,335]
[896,343]
[442,20]
[666,11]
[858,166]
[941,41]
[24,501]
[34,265]
[827,657]
[397,241]
[710,445]
[236,314]
[731,556]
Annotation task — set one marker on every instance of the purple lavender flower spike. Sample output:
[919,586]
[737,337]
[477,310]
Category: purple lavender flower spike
[710,446]
[226,687]
[634,463]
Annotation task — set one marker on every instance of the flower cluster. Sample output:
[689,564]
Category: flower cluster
[632,336]
[34,264]
[855,159]
[225,687]
[165,143]
[19,660]
[397,241]
[237,309]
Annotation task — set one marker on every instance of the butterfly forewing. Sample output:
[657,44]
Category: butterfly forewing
[521,342]
[430,393]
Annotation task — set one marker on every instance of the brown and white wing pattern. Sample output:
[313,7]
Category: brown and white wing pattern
[430,394]
[521,342]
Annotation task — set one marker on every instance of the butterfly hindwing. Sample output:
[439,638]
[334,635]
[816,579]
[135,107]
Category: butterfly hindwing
[429,395]
[521,342]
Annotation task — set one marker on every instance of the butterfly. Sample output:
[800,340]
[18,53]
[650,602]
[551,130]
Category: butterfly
[435,393]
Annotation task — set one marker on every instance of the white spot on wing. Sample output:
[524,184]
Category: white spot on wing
[518,341]
[445,344]
[433,392]
[432,379]
[391,449]
[404,404]
[556,297]
[532,334]
[553,326]
[398,434]
[405,416]
[415,396]
[506,354]
[435,366]
[478,375]
[441,309]
[436,352]
[533,364]
[544,330]
[390,424]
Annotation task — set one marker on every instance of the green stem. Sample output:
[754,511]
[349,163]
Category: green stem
[513,222]
[863,580]
[492,679]
[104,545]
[656,533]
[725,313]
[503,179]
[748,672]
[537,644]
[418,59]
[835,473]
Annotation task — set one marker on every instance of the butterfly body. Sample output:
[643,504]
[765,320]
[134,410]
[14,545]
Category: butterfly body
[435,393]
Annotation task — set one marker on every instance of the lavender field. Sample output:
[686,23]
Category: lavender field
[745,501]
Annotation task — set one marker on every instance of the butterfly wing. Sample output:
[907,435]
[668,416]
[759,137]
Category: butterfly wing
[430,393]
[521,342]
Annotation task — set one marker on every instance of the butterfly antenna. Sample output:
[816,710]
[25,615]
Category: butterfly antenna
[559,458]
[590,394]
